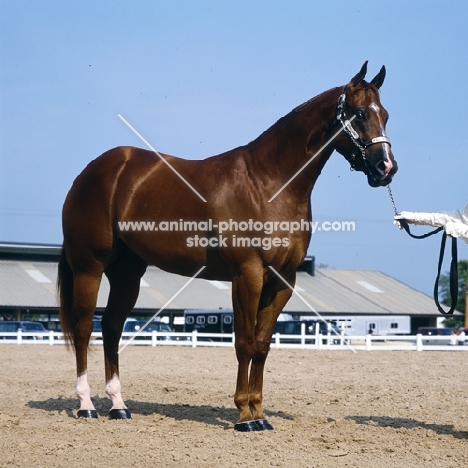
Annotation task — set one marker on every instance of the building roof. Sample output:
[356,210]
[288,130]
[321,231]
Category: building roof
[32,284]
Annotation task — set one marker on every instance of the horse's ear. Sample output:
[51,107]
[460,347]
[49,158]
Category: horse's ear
[360,76]
[379,78]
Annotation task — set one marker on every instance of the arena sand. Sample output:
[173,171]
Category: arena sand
[329,409]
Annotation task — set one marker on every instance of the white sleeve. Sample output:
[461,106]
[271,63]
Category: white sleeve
[457,229]
[429,219]
[454,226]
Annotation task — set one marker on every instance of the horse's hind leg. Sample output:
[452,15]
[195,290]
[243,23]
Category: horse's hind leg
[85,290]
[124,275]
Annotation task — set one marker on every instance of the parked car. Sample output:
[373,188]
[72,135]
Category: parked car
[135,325]
[53,325]
[435,331]
[294,327]
[40,332]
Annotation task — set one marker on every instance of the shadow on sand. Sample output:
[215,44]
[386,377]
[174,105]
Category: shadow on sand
[213,415]
[408,423]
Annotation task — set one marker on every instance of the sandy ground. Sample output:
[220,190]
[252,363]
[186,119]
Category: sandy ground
[329,409]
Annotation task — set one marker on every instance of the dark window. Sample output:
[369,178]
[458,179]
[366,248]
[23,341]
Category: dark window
[33,327]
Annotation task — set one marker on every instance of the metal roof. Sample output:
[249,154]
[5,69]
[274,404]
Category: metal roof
[31,284]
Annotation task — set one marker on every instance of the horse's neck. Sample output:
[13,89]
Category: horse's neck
[282,150]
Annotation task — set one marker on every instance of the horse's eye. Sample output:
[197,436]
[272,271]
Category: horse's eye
[360,115]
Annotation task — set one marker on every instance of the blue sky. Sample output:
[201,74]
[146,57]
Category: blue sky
[199,78]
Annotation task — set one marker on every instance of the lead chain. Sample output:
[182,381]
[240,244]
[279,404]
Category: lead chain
[391,199]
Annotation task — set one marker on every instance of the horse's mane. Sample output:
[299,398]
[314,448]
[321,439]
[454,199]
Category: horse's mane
[292,115]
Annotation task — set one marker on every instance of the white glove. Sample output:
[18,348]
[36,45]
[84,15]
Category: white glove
[454,226]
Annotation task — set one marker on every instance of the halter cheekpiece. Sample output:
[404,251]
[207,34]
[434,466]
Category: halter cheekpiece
[359,142]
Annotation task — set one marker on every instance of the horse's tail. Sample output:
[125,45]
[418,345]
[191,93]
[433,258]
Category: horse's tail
[65,292]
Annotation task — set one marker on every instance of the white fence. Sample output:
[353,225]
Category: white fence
[303,341]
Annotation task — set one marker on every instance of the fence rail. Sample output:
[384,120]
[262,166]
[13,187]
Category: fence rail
[303,341]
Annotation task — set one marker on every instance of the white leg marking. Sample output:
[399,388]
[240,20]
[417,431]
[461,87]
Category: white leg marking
[83,392]
[114,390]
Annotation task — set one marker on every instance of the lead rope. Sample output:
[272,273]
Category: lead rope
[453,265]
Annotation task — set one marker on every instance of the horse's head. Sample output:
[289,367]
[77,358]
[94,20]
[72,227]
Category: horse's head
[363,141]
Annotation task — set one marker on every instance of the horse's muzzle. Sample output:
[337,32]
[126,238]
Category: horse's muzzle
[381,174]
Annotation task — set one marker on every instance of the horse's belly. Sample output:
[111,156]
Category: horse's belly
[180,253]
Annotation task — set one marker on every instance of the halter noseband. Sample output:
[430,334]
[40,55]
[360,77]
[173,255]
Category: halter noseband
[360,143]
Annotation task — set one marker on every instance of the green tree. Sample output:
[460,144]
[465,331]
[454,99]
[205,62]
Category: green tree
[444,292]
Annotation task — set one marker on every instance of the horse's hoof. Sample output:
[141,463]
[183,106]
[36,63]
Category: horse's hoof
[247,426]
[123,413]
[264,425]
[87,413]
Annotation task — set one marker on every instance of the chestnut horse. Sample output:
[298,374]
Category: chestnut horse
[269,180]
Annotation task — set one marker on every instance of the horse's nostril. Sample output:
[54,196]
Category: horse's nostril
[382,166]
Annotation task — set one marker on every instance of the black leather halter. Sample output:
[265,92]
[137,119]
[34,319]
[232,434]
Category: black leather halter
[359,142]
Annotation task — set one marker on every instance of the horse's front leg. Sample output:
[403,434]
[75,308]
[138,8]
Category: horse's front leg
[274,297]
[246,290]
